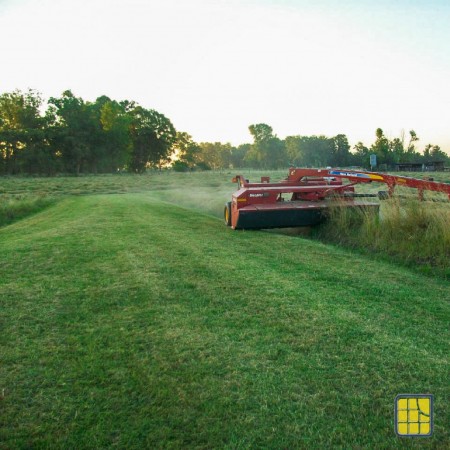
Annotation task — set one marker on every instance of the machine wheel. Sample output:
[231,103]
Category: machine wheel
[383,195]
[227,214]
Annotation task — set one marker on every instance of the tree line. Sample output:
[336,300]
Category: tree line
[74,136]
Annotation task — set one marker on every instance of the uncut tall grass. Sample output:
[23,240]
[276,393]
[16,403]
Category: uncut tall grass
[16,207]
[413,232]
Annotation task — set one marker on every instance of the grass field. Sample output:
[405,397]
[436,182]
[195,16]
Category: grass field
[132,317]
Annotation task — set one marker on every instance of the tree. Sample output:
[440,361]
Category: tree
[23,147]
[116,138]
[396,150]
[74,131]
[381,148]
[185,152]
[238,155]
[153,136]
[411,153]
[412,138]
[362,155]
[261,132]
[317,151]
[76,136]
[434,153]
[294,150]
[340,151]
[214,155]
[93,137]
[267,150]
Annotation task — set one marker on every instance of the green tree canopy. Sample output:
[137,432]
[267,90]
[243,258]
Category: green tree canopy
[152,135]
[340,151]
[77,136]
[186,152]
[238,155]
[381,147]
[267,151]
[74,131]
[215,155]
[315,151]
[23,145]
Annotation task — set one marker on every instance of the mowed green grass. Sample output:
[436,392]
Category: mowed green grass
[128,322]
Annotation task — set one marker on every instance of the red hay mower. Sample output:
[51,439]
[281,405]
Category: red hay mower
[302,199]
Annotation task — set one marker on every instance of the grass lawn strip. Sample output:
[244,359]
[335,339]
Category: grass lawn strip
[129,323]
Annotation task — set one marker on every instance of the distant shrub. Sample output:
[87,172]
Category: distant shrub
[180,166]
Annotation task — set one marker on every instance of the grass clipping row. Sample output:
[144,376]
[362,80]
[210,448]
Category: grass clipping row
[410,231]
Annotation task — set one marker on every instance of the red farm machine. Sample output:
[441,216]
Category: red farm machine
[303,198]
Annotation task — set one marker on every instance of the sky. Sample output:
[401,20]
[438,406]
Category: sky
[214,67]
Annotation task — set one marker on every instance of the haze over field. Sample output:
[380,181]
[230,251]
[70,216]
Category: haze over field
[215,67]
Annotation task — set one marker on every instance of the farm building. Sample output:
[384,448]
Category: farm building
[428,166]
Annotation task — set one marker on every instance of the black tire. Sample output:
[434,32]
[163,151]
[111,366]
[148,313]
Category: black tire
[383,195]
[227,214]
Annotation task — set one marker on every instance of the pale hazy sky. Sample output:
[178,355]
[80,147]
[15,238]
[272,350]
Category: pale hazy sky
[214,67]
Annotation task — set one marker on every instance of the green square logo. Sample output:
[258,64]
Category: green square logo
[414,415]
